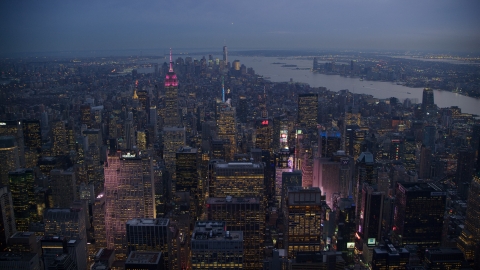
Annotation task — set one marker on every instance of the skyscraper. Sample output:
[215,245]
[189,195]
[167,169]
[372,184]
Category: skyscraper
[419,214]
[428,103]
[470,236]
[172,117]
[187,178]
[149,234]
[9,157]
[7,218]
[225,55]
[238,179]
[64,190]
[23,197]
[303,218]
[226,126]
[14,128]
[246,215]
[213,247]
[465,168]
[127,192]
[308,110]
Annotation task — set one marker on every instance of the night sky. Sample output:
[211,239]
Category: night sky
[112,25]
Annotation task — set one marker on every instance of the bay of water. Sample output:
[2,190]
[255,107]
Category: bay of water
[277,73]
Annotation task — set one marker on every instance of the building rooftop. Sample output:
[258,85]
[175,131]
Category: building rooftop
[233,200]
[139,257]
[420,187]
[239,165]
[214,231]
[149,222]
[303,189]
[187,149]
[10,256]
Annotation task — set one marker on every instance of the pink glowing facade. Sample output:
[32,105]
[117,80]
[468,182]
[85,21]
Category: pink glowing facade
[172,117]
[128,193]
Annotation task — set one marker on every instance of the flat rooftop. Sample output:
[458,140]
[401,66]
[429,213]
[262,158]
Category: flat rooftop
[214,231]
[233,200]
[139,257]
[149,222]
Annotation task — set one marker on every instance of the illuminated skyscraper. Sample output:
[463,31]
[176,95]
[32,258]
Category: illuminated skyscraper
[66,222]
[470,236]
[128,189]
[149,234]
[23,196]
[86,115]
[419,214]
[428,103]
[14,128]
[172,117]
[9,158]
[370,222]
[59,138]
[31,134]
[7,218]
[264,134]
[238,179]
[173,139]
[226,126]
[187,179]
[98,212]
[246,215]
[303,220]
[308,110]
[215,248]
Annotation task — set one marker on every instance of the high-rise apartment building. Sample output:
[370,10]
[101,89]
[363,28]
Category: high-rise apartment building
[149,234]
[303,219]
[419,213]
[246,215]
[308,110]
[213,247]
[128,191]
[369,226]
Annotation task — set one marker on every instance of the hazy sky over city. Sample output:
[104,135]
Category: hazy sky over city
[45,26]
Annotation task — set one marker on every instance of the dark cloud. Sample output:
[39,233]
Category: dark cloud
[40,26]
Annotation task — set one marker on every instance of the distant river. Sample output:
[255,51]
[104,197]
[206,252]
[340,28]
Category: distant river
[277,73]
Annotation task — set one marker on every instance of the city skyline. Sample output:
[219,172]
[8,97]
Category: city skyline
[31,26]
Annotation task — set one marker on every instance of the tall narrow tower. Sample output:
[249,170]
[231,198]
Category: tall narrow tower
[225,55]
[172,118]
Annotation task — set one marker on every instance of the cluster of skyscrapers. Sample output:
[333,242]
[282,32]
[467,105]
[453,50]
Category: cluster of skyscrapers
[273,176]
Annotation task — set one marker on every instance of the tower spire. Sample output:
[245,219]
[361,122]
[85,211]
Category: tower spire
[171,62]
